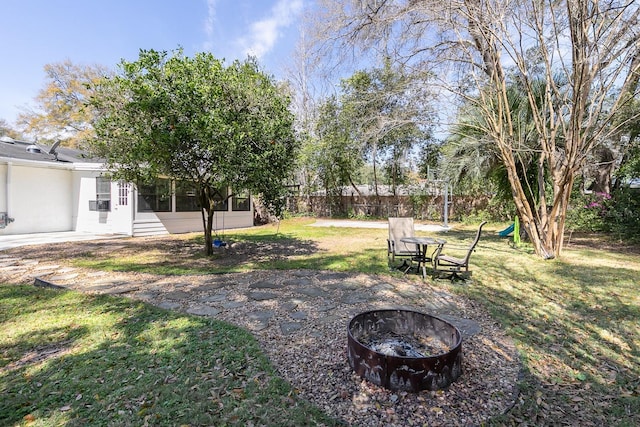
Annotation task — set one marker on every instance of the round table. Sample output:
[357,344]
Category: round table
[422,244]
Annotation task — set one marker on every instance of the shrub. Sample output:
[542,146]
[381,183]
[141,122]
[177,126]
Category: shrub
[617,213]
[588,212]
[623,214]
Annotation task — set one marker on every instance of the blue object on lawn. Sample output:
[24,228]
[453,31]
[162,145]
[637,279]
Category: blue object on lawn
[218,243]
[507,231]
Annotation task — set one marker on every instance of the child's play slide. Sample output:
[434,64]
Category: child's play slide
[507,231]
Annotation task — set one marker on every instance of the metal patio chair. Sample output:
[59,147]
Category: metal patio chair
[457,268]
[398,229]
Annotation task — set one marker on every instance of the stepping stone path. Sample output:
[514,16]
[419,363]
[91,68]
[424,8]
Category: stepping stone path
[268,302]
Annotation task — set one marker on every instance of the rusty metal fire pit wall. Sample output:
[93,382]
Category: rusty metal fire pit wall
[380,350]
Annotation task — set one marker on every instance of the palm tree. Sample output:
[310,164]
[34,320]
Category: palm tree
[470,158]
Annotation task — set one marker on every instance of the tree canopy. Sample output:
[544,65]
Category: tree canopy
[194,119]
[379,117]
[8,130]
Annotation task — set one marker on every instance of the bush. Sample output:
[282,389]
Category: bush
[588,212]
[623,215]
[495,210]
[617,213]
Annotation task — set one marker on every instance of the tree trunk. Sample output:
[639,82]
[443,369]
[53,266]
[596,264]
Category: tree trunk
[604,168]
[534,222]
[374,151]
[354,186]
[207,219]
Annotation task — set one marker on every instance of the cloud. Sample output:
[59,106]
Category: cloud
[209,24]
[263,34]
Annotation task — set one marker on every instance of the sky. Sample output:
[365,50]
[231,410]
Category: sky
[34,33]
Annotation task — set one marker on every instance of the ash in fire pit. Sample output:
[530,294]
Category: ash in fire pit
[391,344]
[404,350]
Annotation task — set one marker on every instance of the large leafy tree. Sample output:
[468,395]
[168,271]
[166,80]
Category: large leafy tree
[59,111]
[193,119]
[478,48]
[379,117]
[470,157]
[390,113]
[336,156]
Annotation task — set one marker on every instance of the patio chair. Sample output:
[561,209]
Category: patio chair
[399,228]
[457,268]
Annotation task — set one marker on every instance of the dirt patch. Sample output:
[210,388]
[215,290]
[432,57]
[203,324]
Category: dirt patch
[38,355]
[175,251]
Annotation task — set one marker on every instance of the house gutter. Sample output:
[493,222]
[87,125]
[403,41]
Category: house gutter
[36,163]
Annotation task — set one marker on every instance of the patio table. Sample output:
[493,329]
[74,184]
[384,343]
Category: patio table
[422,244]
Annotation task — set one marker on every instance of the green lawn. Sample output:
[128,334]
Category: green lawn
[575,321]
[75,360]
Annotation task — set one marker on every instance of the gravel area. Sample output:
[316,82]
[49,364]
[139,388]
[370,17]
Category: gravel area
[300,318]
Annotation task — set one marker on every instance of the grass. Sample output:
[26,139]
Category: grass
[75,360]
[574,320]
[288,245]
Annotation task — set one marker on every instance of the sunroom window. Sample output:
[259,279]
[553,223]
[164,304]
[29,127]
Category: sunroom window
[155,196]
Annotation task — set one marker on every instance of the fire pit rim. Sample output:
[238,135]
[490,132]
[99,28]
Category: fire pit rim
[455,346]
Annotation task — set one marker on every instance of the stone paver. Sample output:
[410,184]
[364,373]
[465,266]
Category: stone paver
[63,277]
[46,267]
[178,295]
[121,290]
[313,291]
[298,315]
[169,305]
[262,296]
[203,310]
[214,298]
[288,328]
[232,304]
[278,300]
[266,285]
[302,282]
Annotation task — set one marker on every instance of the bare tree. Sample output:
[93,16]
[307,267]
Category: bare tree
[585,52]
[60,107]
[7,130]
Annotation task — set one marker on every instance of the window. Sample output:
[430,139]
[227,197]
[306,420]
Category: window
[123,193]
[186,197]
[155,196]
[241,202]
[221,203]
[103,195]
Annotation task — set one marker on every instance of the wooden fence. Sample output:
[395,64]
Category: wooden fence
[429,208]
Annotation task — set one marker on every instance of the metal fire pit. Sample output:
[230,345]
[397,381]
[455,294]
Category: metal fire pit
[404,350]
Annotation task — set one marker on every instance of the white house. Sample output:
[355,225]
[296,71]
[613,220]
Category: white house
[48,189]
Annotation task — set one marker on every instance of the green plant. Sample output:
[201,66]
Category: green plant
[623,214]
[588,212]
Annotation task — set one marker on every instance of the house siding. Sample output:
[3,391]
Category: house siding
[159,223]
[49,196]
[84,184]
[3,187]
[41,203]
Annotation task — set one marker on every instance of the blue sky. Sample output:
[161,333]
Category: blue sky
[38,32]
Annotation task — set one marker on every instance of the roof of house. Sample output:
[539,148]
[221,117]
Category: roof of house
[15,149]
